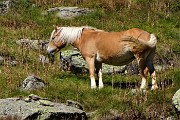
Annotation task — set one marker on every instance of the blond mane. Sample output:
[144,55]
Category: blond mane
[70,34]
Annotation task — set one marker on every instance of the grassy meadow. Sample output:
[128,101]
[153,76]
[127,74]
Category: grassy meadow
[25,20]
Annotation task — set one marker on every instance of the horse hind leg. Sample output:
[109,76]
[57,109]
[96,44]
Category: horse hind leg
[151,69]
[154,82]
[143,72]
[153,76]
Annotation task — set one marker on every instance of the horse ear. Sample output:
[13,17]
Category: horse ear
[55,27]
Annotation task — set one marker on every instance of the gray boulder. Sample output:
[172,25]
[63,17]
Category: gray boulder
[68,12]
[33,44]
[38,109]
[32,83]
[4,6]
[71,60]
[176,101]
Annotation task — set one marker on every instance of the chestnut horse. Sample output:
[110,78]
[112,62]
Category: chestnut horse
[114,48]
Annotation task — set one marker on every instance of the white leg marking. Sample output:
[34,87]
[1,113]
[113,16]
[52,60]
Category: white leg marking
[93,82]
[143,83]
[101,85]
[154,83]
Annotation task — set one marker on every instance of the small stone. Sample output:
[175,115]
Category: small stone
[176,100]
[34,97]
[74,104]
[32,83]
[13,63]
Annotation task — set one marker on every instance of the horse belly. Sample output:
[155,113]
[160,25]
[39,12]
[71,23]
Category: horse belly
[119,59]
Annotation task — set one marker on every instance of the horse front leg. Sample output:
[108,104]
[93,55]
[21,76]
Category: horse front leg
[90,63]
[98,66]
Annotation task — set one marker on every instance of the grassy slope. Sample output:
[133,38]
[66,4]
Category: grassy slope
[25,21]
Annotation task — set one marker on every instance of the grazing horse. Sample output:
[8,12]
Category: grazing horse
[114,48]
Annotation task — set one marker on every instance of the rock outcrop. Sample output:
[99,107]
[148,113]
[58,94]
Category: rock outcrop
[176,101]
[4,6]
[32,83]
[68,12]
[33,44]
[73,61]
[37,108]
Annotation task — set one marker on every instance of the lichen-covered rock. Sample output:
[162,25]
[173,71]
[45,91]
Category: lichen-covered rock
[39,109]
[4,6]
[32,83]
[176,100]
[73,61]
[33,44]
[68,12]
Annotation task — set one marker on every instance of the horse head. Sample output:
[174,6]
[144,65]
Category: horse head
[55,43]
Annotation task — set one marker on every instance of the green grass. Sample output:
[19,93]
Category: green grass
[25,21]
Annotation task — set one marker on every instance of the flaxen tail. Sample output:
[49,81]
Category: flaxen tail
[152,41]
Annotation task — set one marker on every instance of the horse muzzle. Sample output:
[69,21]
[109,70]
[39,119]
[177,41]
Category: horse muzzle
[51,53]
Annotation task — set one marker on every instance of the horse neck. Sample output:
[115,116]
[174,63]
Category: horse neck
[76,43]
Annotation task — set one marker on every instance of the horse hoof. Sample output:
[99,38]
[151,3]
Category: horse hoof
[154,87]
[100,87]
[143,88]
